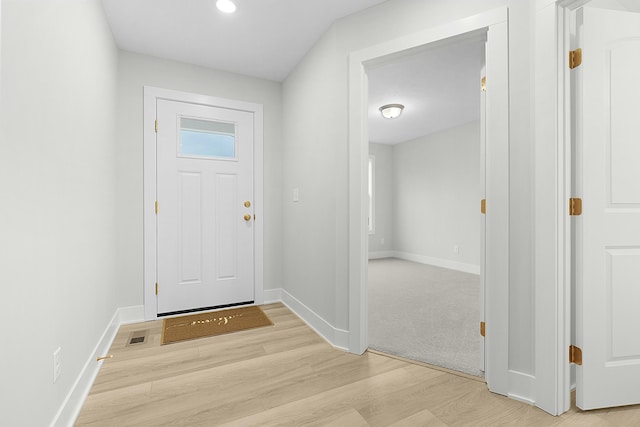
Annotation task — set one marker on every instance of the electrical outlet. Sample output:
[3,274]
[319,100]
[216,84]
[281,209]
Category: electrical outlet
[456,249]
[57,363]
[382,241]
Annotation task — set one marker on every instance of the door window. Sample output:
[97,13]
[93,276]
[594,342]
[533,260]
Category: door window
[207,139]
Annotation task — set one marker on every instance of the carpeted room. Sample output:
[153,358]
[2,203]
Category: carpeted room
[425,225]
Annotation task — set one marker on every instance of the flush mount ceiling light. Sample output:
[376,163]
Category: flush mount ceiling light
[226,6]
[391,111]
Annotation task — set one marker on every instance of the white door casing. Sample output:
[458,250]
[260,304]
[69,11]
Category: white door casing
[205,231]
[152,97]
[608,231]
[482,197]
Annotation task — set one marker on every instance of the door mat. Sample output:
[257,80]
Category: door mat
[202,325]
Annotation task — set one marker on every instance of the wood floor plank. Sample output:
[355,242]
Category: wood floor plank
[422,418]
[316,407]
[288,375]
[350,418]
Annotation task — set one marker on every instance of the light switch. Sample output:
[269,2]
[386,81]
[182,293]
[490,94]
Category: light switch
[296,195]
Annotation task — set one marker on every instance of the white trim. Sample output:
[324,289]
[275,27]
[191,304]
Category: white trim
[133,314]
[564,173]
[438,262]
[338,338]
[497,190]
[372,200]
[72,404]
[382,254]
[520,386]
[151,95]
[272,296]
[358,155]
[552,308]
[548,226]
[149,197]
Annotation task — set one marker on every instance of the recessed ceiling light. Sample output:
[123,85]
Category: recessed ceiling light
[226,6]
[391,111]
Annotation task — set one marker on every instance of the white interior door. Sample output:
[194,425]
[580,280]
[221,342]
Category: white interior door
[496,261]
[205,219]
[608,236]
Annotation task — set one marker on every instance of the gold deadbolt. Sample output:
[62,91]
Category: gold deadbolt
[247,204]
[247,217]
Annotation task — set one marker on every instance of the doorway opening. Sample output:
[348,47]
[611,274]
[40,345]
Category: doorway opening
[495,311]
[424,248]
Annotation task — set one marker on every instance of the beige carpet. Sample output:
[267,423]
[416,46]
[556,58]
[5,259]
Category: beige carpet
[201,325]
[425,313]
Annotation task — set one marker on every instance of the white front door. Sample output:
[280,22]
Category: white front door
[608,236]
[205,217]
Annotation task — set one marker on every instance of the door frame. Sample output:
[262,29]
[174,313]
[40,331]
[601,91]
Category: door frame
[567,105]
[151,95]
[497,354]
[554,237]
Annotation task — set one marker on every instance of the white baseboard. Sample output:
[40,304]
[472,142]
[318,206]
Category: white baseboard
[438,262]
[272,296]
[381,254]
[521,385]
[132,314]
[338,338]
[70,409]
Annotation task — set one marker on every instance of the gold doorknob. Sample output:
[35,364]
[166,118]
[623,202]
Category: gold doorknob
[247,217]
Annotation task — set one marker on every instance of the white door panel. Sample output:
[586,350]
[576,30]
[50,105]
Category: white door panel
[205,176]
[608,254]
[190,228]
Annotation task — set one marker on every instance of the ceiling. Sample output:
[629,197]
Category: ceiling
[264,38]
[440,88]
[268,38]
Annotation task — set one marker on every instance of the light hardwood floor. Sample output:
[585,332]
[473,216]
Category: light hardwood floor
[287,375]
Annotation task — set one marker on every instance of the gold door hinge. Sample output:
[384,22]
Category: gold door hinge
[156,126]
[156,207]
[575,355]
[575,58]
[156,288]
[575,206]
[482,328]
[483,84]
[483,206]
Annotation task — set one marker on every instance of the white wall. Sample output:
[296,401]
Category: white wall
[316,158]
[57,187]
[136,71]
[383,200]
[436,193]
[315,153]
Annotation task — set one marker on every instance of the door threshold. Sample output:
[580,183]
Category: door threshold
[428,365]
[195,310]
